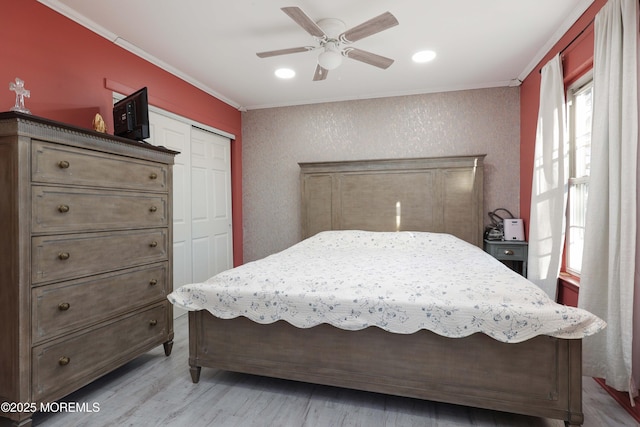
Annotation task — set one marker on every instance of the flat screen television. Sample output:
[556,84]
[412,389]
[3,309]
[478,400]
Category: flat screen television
[131,116]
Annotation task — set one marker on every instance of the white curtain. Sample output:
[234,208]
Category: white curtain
[609,260]
[549,187]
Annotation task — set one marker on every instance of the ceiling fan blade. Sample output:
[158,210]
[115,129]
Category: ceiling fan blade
[320,74]
[372,26]
[284,51]
[304,21]
[368,58]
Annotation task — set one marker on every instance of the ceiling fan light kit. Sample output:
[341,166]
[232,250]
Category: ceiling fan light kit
[331,58]
[330,35]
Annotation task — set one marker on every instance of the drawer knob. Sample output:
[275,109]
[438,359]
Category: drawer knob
[64,306]
[63,255]
[153,322]
[153,244]
[508,252]
[63,164]
[63,361]
[153,209]
[153,282]
[63,208]
[153,175]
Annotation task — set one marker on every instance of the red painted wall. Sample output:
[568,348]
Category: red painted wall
[71,72]
[577,58]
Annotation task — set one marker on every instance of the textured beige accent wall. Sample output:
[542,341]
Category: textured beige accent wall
[483,121]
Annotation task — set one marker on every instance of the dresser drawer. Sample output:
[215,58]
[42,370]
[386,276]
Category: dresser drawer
[63,257]
[60,209]
[61,164]
[70,363]
[63,307]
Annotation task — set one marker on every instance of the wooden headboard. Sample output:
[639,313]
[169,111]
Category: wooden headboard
[442,194]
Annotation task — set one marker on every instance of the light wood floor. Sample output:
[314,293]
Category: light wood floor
[155,390]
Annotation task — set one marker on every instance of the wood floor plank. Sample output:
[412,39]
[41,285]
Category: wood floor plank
[154,390]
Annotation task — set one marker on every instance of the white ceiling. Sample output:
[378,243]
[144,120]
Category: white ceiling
[212,43]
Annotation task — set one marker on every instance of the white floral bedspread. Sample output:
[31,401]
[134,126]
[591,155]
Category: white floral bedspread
[400,282]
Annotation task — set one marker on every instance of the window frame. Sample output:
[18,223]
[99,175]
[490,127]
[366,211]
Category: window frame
[578,86]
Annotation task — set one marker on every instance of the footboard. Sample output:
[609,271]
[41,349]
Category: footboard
[539,377]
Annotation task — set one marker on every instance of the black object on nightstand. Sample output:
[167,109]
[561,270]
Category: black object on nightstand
[512,253]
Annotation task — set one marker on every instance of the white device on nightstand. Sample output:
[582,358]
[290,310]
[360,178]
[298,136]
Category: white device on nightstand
[513,229]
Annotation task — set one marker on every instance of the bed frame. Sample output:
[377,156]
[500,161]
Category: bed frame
[540,377]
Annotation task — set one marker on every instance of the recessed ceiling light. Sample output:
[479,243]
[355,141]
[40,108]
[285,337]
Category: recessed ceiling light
[285,73]
[423,56]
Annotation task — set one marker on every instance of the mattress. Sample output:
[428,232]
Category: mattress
[401,282]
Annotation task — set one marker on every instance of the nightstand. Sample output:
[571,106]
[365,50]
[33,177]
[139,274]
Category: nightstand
[512,253]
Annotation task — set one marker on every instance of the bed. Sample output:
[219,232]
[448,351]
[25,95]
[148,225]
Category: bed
[461,341]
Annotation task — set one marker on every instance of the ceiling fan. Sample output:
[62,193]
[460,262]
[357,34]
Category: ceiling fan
[334,40]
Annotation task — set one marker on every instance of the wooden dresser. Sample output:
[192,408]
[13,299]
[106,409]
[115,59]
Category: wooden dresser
[85,256]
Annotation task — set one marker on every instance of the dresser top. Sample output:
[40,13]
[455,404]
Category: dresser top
[12,122]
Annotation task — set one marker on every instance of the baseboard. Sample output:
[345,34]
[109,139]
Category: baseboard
[622,399]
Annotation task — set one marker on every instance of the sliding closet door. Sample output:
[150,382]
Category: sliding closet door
[176,135]
[212,241]
[202,227]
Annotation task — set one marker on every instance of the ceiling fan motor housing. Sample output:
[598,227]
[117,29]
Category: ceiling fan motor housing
[332,27]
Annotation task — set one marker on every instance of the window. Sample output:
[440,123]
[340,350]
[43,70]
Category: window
[579,108]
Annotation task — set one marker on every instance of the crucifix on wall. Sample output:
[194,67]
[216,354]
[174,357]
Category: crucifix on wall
[21,93]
